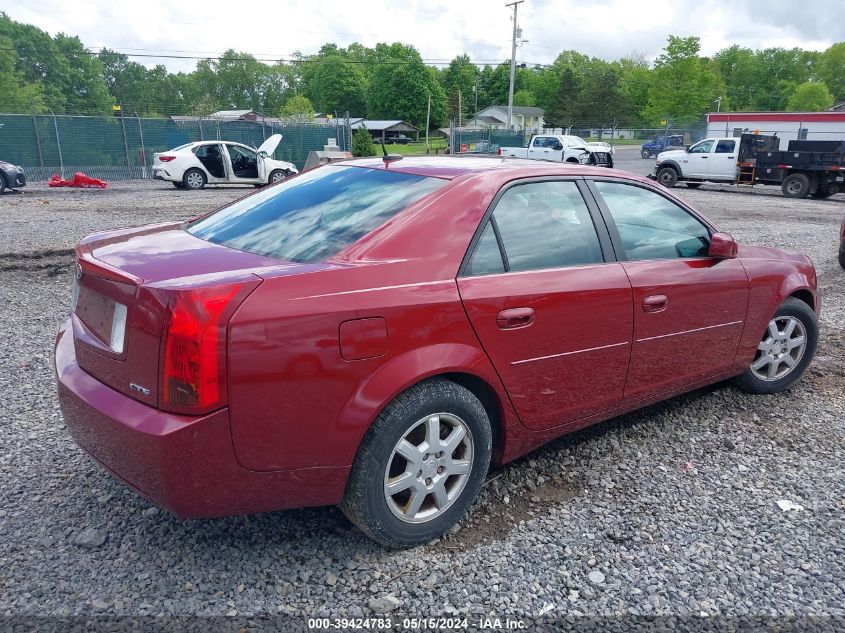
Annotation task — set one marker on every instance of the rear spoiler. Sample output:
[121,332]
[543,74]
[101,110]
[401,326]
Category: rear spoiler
[90,264]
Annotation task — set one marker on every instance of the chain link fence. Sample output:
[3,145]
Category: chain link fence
[122,148]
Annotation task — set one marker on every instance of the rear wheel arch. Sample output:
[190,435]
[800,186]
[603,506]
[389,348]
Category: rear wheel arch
[484,391]
[392,379]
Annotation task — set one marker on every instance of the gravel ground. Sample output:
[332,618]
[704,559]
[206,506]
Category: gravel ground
[671,510]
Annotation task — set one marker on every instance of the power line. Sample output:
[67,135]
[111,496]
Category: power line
[315,59]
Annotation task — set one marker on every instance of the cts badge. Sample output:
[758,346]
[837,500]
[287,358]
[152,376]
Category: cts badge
[142,390]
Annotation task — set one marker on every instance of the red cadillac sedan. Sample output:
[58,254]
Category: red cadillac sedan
[376,334]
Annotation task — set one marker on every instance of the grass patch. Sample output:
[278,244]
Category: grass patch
[435,146]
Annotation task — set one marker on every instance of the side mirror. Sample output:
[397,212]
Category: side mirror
[686,147]
[557,146]
[722,246]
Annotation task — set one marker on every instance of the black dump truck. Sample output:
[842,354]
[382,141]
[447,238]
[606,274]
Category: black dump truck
[807,168]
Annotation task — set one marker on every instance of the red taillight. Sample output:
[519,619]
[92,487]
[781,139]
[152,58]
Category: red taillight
[500,151]
[194,366]
[166,159]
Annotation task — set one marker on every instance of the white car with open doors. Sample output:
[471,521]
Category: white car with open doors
[195,165]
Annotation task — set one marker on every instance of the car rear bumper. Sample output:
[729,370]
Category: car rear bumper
[184,464]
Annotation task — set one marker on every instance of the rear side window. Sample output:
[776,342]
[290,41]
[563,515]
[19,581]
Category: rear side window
[652,227]
[725,147]
[542,225]
[315,215]
[487,258]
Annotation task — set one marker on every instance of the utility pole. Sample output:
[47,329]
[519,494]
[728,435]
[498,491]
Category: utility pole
[515,5]
[427,122]
[718,104]
[460,107]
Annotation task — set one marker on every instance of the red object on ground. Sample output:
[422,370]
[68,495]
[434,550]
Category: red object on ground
[79,180]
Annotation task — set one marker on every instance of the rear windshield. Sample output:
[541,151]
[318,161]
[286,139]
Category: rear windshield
[315,215]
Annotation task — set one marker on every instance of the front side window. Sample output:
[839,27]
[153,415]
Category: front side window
[241,153]
[543,225]
[704,147]
[651,226]
[316,214]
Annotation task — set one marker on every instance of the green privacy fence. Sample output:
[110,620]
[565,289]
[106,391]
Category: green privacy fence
[486,141]
[122,148]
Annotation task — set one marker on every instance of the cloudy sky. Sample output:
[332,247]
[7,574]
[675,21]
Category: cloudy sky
[440,29]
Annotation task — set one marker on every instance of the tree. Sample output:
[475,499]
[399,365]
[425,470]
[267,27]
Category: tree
[460,77]
[810,97]
[635,85]
[493,85]
[334,81]
[400,86]
[362,143]
[780,71]
[524,98]
[740,70]
[562,109]
[298,108]
[831,69]
[71,79]
[684,85]
[16,94]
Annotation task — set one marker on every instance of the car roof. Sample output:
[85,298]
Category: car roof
[451,167]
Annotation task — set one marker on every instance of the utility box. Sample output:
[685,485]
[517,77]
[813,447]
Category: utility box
[326,156]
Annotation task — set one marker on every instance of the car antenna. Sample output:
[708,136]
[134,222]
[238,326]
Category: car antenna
[389,158]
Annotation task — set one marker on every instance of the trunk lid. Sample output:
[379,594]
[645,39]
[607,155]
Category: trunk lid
[123,283]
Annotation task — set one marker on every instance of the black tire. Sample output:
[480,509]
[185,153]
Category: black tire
[281,174]
[364,501]
[645,153]
[667,176]
[693,185]
[2,183]
[796,308]
[178,184]
[573,160]
[795,186]
[842,255]
[189,180]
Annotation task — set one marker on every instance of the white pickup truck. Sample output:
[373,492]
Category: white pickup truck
[562,148]
[711,159]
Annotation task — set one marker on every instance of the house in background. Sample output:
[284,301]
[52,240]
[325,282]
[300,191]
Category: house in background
[525,118]
[385,130]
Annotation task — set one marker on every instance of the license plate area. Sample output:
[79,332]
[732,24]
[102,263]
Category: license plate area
[101,308]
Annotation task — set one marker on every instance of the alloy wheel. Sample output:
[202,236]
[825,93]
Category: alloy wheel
[428,468]
[195,180]
[781,349]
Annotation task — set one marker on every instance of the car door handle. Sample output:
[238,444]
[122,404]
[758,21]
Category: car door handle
[655,303]
[515,317]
